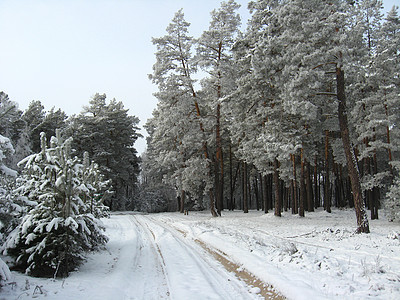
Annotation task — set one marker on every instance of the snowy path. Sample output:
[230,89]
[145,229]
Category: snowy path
[191,272]
[144,260]
[173,256]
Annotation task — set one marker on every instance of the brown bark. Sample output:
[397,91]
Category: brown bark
[295,208]
[205,148]
[264,185]
[219,178]
[327,192]
[212,203]
[278,200]
[375,192]
[230,204]
[302,187]
[256,193]
[245,189]
[362,220]
[310,202]
[342,188]
[316,185]
[182,202]
[219,175]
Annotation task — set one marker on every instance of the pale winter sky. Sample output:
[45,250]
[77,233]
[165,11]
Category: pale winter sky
[63,52]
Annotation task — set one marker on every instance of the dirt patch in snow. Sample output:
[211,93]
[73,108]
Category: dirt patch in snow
[259,287]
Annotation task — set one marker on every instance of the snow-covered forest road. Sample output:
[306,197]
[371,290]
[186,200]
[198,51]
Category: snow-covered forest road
[173,256]
[152,261]
[145,259]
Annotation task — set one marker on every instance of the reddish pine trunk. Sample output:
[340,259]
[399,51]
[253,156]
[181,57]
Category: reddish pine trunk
[361,215]
[182,202]
[302,187]
[295,209]
[310,202]
[327,197]
[245,190]
[278,199]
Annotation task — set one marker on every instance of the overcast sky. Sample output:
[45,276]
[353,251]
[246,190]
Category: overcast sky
[62,52]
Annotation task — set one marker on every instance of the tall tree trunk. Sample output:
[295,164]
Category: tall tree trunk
[278,199]
[182,202]
[375,192]
[316,184]
[342,187]
[302,187]
[205,151]
[235,179]
[245,189]
[286,197]
[230,205]
[212,203]
[256,194]
[265,193]
[178,200]
[261,181]
[310,202]
[361,215]
[218,162]
[249,193]
[295,208]
[198,114]
[327,192]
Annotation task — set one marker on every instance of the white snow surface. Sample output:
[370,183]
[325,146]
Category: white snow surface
[159,256]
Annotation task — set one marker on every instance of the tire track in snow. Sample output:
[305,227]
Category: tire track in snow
[267,291]
[151,284]
[192,272]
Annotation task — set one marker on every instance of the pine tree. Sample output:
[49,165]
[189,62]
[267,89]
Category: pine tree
[215,57]
[11,124]
[108,134]
[53,236]
[38,120]
[387,63]
[34,116]
[8,209]
[179,120]
[368,109]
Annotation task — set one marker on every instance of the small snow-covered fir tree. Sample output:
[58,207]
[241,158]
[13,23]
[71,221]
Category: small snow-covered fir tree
[7,182]
[53,236]
[5,201]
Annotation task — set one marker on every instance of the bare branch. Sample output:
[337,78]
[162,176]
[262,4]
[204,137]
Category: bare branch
[324,64]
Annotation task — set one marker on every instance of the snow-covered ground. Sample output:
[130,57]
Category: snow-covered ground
[173,256]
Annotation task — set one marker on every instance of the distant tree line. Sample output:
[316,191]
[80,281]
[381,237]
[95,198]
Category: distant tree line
[299,111]
[58,176]
[104,130]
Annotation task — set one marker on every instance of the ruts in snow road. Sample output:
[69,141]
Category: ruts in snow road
[144,260]
[189,270]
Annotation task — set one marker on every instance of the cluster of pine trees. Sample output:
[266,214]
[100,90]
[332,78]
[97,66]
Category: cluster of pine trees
[299,111]
[58,176]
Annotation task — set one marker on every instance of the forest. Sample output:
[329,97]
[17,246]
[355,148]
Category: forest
[300,111]
[297,112]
